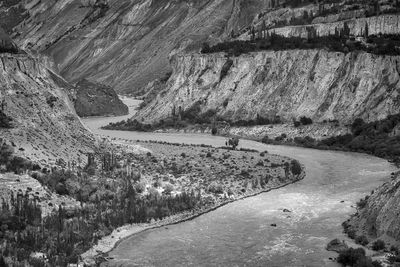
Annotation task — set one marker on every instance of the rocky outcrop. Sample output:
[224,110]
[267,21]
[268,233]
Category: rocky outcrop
[45,125]
[93,99]
[384,24]
[380,217]
[318,84]
[122,43]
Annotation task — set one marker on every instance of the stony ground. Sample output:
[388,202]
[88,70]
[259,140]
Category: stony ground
[234,173]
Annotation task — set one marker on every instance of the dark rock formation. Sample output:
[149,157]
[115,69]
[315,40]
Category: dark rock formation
[94,99]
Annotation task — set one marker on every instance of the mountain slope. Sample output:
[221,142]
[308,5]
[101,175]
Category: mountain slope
[126,44]
[380,217]
[45,126]
[318,84]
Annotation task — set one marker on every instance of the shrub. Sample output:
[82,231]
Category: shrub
[153,193]
[225,69]
[296,123]
[378,245]
[305,121]
[266,140]
[362,240]
[214,130]
[351,256]
[362,202]
[140,187]
[5,121]
[168,188]
[295,167]
[51,100]
[356,126]
[215,188]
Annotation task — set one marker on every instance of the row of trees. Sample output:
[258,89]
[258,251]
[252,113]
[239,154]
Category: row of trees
[339,41]
[67,232]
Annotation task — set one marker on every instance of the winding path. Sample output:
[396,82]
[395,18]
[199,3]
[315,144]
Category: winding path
[240,233]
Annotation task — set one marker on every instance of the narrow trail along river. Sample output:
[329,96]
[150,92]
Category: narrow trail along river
[240,233]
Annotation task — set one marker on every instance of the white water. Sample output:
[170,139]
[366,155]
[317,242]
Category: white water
[240,234]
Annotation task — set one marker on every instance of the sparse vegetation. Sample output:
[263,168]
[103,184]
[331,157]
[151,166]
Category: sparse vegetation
[380,45]
[356,257]
[362,240]
[378,245]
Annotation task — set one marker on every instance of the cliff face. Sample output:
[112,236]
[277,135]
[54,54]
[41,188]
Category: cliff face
[380,218]
[313,83]
[94,99]
[383,24]
[122,43]
[45,125]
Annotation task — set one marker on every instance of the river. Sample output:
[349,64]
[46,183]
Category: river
[240,233]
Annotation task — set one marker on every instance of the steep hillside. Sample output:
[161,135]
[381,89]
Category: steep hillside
[44,125]
[122,43]
[93,99]
[6,44]
[379,216]
[318,84]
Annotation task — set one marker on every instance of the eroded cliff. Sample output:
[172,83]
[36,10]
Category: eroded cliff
[318,84]
[380,215]
[125,44]
[45,126]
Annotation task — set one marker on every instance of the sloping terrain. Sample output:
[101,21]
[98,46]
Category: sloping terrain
[318,84]
[379,217]
[126,44]
[44,125]
[94,99]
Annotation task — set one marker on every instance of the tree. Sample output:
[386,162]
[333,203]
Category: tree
[233,142]
[6,152]
[264,29]
[366,31]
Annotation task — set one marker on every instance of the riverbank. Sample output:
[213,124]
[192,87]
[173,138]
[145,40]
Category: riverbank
[318,205]
[99,252]
[222,176]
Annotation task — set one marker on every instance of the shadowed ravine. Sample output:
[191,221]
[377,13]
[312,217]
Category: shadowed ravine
[240,233]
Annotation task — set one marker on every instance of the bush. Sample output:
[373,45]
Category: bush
[140,187]
[296,123]
[214,130]
[362,240]
[351,256]
[305,121]
[378,245]
[5,121]
[215,188]
[295,167]
[168,188]
[362,202]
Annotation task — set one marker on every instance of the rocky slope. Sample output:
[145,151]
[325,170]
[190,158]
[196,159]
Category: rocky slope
[6,44]
[45,125]
[122,43]
[318,84]
[384,24]
[93,99]
[380,217]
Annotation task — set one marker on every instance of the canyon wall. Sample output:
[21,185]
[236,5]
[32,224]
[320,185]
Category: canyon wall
[383,24]
[380,218]
[45,125]
[318,84]
[122,43]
